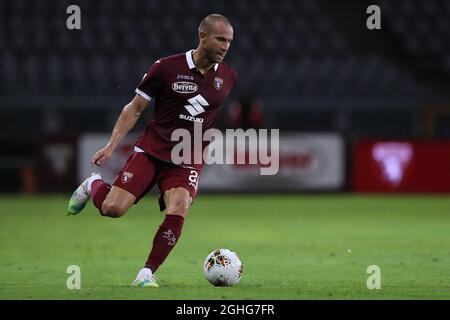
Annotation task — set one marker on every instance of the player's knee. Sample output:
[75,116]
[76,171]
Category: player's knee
[113,209]
[178,201]
[180,207]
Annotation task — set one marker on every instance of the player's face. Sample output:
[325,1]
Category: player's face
[217,43]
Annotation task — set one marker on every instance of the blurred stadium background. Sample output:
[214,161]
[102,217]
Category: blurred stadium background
[310,68]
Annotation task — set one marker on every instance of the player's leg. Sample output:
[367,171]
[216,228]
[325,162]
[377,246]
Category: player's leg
[112,202]
[177,201]
[130,185]
[82,195]
[178,187]
[117,202]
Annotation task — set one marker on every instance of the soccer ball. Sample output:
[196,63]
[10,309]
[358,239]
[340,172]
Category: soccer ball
[223,267]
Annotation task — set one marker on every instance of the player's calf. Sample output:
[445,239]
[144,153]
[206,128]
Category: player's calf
[177,201]
[112,210]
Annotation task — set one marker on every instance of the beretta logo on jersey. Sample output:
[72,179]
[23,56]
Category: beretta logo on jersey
[184,87]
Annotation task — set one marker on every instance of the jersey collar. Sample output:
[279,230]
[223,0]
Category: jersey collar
[190,61]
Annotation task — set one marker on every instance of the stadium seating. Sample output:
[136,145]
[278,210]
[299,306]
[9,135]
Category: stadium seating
[285,49]
[422,28]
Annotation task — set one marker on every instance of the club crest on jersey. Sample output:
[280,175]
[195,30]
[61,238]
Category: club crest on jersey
[218,83]
[126,177]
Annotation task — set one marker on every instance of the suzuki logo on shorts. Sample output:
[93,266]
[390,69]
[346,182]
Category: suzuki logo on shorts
[184,87]
[196,105]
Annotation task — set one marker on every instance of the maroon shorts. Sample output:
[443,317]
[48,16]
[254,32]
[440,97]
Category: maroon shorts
[142,172]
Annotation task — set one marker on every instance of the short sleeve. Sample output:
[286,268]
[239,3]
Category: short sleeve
[151,82]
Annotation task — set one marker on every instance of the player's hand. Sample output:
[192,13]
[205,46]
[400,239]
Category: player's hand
[101,156]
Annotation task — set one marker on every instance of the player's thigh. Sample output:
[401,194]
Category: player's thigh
[178,187]
[137,176]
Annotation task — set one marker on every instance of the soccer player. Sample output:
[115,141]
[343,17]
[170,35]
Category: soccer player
[187,88]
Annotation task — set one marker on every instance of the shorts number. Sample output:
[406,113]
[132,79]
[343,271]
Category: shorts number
[193,179]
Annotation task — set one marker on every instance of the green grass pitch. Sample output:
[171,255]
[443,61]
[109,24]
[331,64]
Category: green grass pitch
[292,247]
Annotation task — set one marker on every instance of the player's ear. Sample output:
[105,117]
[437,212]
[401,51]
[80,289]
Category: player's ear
[202,36]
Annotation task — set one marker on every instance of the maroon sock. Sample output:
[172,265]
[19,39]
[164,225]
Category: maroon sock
[99,190]
[165,239]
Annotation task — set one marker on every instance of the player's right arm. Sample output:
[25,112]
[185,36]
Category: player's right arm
[126,121]
[147,88]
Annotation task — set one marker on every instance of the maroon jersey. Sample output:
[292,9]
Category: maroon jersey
[182,97]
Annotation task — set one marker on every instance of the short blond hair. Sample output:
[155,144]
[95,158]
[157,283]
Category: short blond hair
[208,23]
